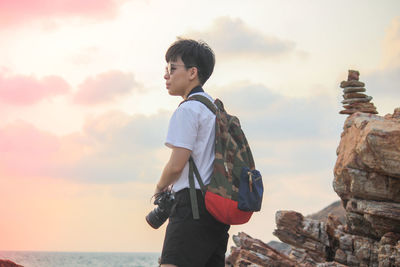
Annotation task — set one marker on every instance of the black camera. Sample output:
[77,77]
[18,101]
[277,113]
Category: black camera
[166,202]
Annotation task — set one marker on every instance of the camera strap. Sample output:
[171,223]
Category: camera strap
[192,189]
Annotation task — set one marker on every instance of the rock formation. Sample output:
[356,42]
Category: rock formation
[8,263]
[367,179]
[335,208]
[254,252]
[355,99]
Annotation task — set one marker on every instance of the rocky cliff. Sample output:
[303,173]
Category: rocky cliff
[367,180]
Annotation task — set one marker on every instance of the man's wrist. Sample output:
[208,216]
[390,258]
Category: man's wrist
[159,188]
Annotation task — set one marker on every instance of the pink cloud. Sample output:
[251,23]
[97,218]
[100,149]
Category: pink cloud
[14,12]
[105,87]
[102,153]
[26,150]
[27,90]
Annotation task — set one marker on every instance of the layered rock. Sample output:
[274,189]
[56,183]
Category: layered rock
[355,99]
[367,174]
[367,179]
[331,245]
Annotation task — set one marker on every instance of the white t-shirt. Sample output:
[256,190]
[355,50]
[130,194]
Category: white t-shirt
[192,126]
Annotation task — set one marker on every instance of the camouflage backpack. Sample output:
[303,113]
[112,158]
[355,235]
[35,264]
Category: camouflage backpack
[236,187]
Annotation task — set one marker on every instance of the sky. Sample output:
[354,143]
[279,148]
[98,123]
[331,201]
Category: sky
[84,110]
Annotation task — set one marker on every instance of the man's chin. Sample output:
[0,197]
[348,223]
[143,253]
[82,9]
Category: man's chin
[172,93]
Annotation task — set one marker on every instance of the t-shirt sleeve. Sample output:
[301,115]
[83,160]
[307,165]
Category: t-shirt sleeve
[183,127]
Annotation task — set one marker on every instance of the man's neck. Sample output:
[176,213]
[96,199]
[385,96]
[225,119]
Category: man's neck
[193,89]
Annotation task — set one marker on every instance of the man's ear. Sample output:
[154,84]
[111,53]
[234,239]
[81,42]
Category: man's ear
[193,73]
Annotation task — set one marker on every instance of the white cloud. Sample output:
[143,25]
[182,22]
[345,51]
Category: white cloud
[383,83]
[391,44]
[122,148]
[288,136]
[233,38]
[266,114]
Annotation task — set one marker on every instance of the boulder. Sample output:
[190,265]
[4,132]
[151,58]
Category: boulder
[369,143]
[8,263]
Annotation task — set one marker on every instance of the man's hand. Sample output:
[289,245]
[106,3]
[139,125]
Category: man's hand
[173,168]
[159,189]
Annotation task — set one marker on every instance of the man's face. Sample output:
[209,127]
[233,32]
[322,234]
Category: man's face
[177,78]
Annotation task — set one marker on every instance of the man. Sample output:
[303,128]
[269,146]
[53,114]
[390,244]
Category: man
[189,242]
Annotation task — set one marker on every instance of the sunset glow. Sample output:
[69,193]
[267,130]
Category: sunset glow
[84,110]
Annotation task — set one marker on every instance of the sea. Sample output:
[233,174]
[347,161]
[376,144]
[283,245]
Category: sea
[81,259]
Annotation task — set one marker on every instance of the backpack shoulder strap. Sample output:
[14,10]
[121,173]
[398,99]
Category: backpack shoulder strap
[193,171]
[192,190]
[207,102]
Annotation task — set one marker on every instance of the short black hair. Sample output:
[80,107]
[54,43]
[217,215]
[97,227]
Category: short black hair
[193,54]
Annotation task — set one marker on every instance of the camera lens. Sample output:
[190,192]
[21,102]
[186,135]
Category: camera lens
[160,214]
[157,217]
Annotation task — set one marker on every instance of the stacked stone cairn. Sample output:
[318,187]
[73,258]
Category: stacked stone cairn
[355,99]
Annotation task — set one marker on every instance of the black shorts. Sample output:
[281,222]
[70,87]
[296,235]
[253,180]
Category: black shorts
[194,243]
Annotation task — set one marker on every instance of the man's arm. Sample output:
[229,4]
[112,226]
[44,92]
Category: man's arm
[173,168]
